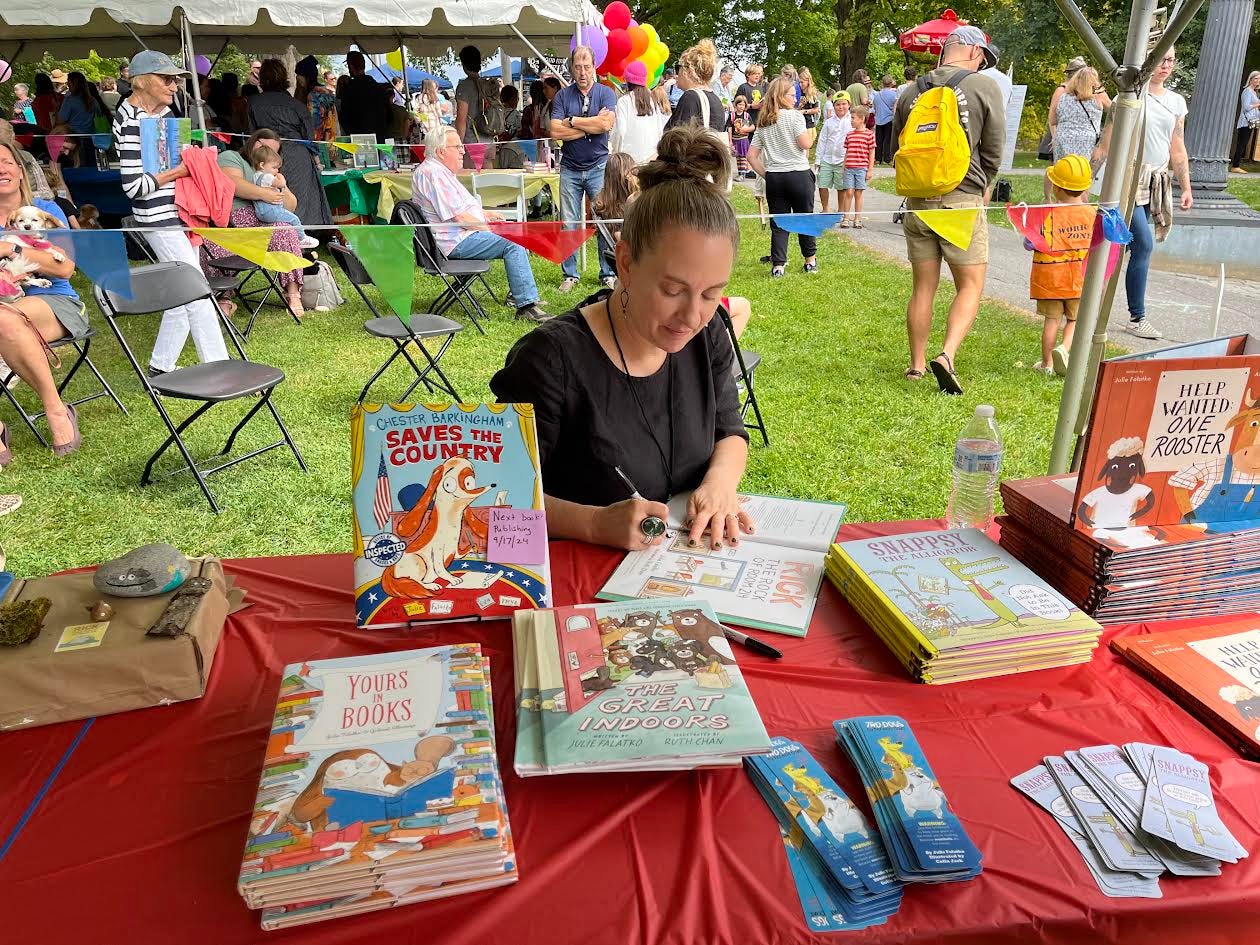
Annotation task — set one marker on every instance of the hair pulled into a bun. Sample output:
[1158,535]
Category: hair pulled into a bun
[684,186]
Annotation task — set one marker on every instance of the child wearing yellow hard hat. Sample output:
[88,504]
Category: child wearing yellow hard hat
[1059,273]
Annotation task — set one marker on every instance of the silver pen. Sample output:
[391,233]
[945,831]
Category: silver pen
[653,526]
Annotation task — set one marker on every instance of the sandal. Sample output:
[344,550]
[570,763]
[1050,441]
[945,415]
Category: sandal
[946,379]
[846,225]
[859,225]
[913,374]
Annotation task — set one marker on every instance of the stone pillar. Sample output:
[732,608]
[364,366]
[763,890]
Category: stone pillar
[1217,88]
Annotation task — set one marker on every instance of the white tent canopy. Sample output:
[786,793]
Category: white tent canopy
[70,28]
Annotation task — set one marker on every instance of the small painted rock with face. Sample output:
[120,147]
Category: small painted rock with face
[148,570]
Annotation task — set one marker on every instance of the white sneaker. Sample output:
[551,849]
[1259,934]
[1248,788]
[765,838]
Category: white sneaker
[1144,329]
[308,242]
[1059,359]
[1043,368]
[569,284]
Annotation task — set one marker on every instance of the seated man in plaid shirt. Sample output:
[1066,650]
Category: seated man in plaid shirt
[460,223]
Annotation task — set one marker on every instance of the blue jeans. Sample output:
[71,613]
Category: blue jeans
[482,245]
[574,185]
[1140,249]
[276,213]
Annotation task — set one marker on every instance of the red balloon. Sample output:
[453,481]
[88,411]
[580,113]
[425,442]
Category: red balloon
[617,15]
[618,49]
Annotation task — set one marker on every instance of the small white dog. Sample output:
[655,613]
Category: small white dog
[920,794]
[15,270]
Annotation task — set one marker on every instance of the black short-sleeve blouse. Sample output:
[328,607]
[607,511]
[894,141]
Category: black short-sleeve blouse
[589,421]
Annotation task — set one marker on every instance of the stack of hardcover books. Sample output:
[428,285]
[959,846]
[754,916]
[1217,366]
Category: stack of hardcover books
[1129,574]
[379,788]
[640,685]
[953,606]
[1162,520]
[1212,671]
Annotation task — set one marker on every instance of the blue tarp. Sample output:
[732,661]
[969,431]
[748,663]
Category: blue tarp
[497,71]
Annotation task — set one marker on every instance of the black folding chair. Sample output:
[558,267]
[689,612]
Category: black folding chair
[138,247]
[745,365]
[167,285]
[237,273]
[457,275]
[81,344]
[422,326]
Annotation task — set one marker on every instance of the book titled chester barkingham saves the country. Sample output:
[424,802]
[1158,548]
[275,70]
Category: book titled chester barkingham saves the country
[448,513]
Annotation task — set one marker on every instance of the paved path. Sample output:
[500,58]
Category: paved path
[1181,306]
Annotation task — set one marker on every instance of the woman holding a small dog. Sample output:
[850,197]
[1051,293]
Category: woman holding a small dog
[637,380]
[40,313]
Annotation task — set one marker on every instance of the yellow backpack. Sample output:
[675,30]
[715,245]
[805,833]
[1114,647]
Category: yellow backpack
[933,153]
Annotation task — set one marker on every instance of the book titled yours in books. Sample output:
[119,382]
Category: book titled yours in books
[768,581]
[1173,441]
[448,513]
[1213,671]
[379,787]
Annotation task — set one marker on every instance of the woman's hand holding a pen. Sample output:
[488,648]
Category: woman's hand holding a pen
[620,525]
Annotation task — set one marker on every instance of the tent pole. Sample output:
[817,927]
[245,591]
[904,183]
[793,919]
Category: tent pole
[14,58]
[219,54]
[1092,316]
[141,43]
[543,59]
[196,80]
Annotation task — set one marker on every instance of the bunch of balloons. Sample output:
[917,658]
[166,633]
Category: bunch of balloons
[621,40]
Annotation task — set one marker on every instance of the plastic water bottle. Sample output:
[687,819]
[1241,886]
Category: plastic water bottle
[977,462]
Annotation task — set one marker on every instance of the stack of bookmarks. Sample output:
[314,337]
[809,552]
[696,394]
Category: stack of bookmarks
[1212,671]
[639,685]
[1162,521]
[954,606]
[1134,813]
[379,788]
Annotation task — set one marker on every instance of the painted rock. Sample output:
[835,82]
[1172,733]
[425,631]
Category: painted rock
[148,570]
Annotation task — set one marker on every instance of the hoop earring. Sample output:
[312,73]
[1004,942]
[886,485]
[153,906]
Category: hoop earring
[624,300]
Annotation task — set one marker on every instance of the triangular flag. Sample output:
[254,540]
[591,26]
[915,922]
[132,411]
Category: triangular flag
[252,243]
[101,255]
[954,225]
[810,224]
[545,238]
[343,146]
[54,143]
[387,254]
[477,154]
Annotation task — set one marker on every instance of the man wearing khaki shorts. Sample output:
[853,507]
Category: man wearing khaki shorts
[982,112]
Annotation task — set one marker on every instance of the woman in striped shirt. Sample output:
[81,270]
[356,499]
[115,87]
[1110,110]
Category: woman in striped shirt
[154,78]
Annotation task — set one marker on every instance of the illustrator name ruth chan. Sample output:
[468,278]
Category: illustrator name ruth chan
[923,546]
[434,442]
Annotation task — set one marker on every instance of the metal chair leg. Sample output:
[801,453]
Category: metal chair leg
[249,414]
[284,431]
[379,371]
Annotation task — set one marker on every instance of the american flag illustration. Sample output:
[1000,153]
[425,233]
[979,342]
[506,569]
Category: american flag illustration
[381,506]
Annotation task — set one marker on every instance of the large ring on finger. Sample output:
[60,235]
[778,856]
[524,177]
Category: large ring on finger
[647,539]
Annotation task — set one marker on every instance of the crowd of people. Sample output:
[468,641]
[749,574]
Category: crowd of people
[694,133]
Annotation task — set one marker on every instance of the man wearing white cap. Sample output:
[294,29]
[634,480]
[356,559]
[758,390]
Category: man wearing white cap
[982,113]
[154,78]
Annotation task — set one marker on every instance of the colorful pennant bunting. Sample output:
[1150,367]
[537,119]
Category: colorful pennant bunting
[344,146]
[252,243]
[54,143]
[387,254]
[101,255]
[810,224]
[954,225]
[545,238]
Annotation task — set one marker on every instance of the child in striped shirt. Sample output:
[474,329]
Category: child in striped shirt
[859,164]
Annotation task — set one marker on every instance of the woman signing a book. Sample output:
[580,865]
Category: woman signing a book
[634,391]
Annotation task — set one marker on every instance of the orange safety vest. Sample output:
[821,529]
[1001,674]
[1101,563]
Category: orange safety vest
[1060,274]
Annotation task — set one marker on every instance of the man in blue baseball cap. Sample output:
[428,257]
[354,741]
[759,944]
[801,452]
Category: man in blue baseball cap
[154,80]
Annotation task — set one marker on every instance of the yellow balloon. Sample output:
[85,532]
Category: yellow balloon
[648,28]
[394,59]
[664,53]
[654,56]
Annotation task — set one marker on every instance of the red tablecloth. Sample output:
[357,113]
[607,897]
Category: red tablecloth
[139,838]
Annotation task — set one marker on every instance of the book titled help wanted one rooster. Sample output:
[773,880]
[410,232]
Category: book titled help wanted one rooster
[448,513]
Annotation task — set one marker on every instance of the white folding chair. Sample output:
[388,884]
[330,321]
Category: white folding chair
[515,212]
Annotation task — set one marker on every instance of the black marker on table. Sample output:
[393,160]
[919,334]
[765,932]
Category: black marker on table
[765,649]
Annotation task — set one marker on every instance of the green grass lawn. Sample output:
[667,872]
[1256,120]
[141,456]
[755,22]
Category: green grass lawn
[1246,189]
[843,423]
